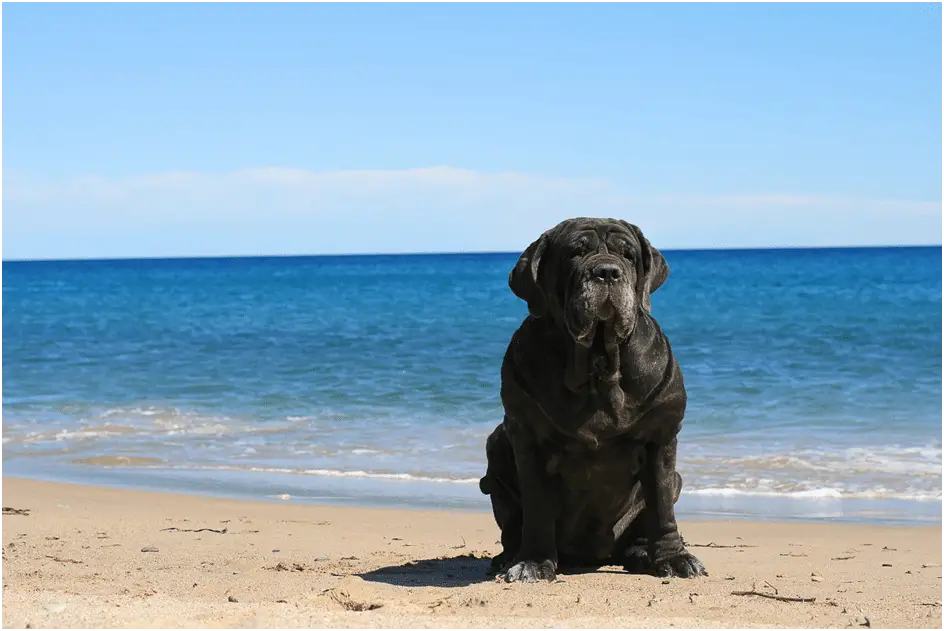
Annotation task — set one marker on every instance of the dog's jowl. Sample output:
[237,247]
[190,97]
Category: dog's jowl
[581,472]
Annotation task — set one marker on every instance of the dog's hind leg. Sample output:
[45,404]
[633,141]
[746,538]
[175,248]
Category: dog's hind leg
[634,557]
[501,485]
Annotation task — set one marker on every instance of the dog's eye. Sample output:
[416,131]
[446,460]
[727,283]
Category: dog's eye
[626,249]
[581,246]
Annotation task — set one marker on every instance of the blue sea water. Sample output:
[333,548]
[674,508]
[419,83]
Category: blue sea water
[814,377]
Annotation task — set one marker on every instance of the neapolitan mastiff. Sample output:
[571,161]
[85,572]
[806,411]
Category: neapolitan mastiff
[581,471]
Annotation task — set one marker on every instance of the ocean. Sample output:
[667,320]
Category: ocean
[813,376]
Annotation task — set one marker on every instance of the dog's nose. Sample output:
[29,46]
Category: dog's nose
[607,272]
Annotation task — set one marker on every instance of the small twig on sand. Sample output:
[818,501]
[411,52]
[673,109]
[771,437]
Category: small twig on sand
[786,599]
[16,511]
[712,544]
[462,545]
[219,532]
[775,596]
[60,560]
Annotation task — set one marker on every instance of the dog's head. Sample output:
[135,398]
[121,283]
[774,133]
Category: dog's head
[592,276]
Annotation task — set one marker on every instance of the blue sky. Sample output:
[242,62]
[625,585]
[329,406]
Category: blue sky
[209,129]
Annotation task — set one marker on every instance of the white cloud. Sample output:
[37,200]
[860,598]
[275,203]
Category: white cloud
[276,210]
[834,203]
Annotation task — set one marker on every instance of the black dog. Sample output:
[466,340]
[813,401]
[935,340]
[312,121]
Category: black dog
[593,402]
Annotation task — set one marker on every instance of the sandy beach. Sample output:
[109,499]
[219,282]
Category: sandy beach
[76,556]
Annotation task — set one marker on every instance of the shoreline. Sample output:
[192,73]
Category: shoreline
[84,556]
[370,492]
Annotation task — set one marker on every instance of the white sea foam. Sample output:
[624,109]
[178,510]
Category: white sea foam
[885,459]
[321,446]
[145,422]
[731,492]
[64,435]
[329,473]
[821,493]
[137,411]
[759,488]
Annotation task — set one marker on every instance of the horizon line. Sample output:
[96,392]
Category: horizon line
[434,253]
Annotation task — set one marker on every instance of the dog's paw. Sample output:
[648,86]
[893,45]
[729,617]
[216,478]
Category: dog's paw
[682,565]
[530,572]
[636,560]
[497,564]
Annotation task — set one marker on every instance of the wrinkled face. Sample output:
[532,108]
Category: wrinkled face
[595,280]
[591,276]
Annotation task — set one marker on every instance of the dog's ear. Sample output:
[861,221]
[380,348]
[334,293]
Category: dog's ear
[523,279]
[654,269]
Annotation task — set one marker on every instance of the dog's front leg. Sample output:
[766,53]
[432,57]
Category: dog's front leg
[667,554]
[537,557]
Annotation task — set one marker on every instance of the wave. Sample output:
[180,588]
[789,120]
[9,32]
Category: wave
[820,493]
[85,433]
[825,493]
[405,449]
[886,459]
[327,473]
[146,422]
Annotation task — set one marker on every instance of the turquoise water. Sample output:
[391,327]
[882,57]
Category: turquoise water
[814,377]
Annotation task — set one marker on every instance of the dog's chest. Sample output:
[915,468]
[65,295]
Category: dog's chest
[587,468]
[596,483]
[596,417]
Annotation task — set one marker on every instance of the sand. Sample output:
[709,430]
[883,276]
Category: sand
[94,557]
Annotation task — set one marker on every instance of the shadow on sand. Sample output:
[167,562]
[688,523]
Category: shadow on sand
[458,571]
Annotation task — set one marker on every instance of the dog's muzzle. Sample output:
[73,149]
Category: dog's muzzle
[601,299]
